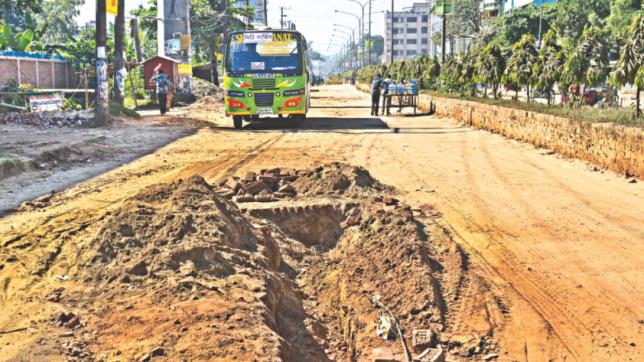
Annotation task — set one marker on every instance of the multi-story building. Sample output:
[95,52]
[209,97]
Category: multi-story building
[410,32]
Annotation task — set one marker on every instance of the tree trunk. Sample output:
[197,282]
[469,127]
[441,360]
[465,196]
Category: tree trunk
[485,91]
[495,89]
[638,111]
[214,72]
[516,95]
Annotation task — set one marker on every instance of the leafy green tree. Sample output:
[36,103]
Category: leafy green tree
[56,21]
[549,64]
[621,13]
[509,28]
[19,41]
[489,68]
[587,63]
[521,63]
[630,66]
[573,16]
[147,28]
[465,19]
[377,43]
[19,13]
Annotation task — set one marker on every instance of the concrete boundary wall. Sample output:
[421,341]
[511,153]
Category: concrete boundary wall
[605,145]
[39,73]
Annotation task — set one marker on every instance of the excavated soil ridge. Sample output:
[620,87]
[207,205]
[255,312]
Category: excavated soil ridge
[180,270]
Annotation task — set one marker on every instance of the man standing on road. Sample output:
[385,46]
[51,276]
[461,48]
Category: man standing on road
[162,85]
[376,87]
[385,91]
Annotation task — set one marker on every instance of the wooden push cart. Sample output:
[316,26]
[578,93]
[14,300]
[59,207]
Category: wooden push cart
[406,100]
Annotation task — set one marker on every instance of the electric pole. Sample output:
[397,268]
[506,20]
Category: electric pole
[282,16]
[392,31]
[443,35]
[370,40]
[100,110]
[119,35]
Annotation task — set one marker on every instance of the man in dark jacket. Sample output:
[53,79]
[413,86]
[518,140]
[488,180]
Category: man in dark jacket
[376,87]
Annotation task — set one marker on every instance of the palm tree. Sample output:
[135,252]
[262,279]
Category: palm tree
[630,66]
[588,63]
[521,63]
[549,63]
[489,67]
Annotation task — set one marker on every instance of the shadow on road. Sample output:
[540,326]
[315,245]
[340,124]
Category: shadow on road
[346,125]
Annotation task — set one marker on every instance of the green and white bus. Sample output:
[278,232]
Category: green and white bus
[266,74]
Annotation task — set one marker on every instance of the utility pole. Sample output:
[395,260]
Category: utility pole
[160,27]
[119,35]
[282,16]
[102,104]
[392,31]
[370,40]
[443,35]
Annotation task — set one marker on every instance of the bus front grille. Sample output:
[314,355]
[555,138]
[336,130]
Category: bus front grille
[264,83]
[264,99]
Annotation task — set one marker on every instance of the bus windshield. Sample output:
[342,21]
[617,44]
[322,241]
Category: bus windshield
[255,53]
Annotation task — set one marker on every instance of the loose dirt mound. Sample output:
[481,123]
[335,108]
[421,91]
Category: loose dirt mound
[179,270]
[209,96]
[174,233]
[338,179]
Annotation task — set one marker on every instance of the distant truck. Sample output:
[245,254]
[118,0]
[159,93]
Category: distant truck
[266,75]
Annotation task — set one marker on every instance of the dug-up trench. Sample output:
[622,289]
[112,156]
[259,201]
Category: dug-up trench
[330,267]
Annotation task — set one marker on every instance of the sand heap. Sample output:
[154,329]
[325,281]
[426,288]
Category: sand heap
[180,270]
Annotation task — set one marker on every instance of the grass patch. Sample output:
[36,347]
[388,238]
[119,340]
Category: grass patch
[622,116]
[129,102]
[116,110]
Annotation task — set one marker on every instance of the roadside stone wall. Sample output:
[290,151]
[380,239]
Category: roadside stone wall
[605,145]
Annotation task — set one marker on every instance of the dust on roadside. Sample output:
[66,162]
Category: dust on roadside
[276,264]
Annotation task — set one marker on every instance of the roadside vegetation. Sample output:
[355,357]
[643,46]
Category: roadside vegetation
[570,56]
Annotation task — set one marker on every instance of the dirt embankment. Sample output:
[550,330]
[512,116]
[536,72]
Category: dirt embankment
[180,270]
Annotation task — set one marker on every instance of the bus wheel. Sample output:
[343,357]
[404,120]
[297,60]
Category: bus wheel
[238,121]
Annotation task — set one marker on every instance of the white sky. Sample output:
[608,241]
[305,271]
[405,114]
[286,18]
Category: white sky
[314,18]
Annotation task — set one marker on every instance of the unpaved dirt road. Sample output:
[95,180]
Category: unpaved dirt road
[559,246]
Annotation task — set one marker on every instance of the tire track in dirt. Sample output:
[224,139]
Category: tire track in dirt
[487,234]
[581,198]
[539,288]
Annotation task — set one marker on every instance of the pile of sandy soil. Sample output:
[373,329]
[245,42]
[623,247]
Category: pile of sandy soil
[209,96]
[180,271]
[337,179]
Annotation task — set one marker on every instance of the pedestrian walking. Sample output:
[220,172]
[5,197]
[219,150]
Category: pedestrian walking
[163,84]
[385,91]
[376,87]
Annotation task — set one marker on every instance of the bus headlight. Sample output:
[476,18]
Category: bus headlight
[290,93]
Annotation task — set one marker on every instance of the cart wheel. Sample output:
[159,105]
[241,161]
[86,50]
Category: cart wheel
[238,121]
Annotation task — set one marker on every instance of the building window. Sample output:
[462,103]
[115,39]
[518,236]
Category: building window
[411,52]
[424,30]
[412,19]
[425,18]
[425,41]
[412,41]
[412,31]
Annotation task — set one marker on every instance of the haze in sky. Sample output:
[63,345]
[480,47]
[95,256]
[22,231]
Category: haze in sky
[314,18]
